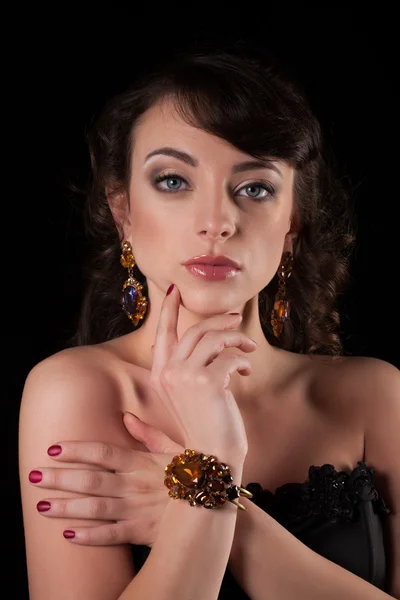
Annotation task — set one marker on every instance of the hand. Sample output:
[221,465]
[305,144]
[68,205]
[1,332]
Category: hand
[133,496]
[192,368]
[191,377]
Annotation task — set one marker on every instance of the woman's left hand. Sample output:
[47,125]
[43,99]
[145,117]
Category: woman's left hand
[129,489]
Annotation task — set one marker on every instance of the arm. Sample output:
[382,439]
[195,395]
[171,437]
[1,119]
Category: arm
[190,554]
[67,397]
[70,398]
[269,562]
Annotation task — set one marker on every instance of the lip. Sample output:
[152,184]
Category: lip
[212,272]
[207,259]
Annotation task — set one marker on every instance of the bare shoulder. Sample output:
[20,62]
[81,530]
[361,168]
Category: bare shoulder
[354,384]
[81,368]
[80,393]
[71,395]
[374,385]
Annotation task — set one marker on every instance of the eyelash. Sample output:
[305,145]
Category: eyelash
[261,184]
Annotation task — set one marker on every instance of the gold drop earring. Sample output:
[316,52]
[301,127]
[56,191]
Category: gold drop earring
[281,310]
[134,304]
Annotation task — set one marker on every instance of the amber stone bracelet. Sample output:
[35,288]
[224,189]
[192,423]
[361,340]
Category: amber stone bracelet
[201,479]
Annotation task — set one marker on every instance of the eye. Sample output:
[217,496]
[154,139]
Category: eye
[172,182]
[254,189]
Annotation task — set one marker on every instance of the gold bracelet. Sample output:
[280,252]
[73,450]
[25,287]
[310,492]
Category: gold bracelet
[201,479]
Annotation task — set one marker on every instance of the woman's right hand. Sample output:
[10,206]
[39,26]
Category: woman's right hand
[191,377]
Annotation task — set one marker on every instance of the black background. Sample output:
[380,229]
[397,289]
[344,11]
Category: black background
[60,67]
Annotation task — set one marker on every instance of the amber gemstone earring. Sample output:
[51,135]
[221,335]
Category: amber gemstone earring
[134,304]
[281,310]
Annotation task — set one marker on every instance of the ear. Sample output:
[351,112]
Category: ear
[292,234]
[118,203]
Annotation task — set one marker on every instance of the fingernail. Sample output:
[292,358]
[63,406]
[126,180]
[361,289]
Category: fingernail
[35,476]
[68,534]
[54,450]
[42,506]
[171,287]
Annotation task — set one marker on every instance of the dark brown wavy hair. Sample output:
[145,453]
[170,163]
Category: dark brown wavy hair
[253,104]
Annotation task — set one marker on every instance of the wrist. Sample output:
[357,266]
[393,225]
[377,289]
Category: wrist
[226,454]
[205,479]
[229,456]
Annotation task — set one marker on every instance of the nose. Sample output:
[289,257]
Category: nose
[215,219]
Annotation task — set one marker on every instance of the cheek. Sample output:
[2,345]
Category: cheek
[143,224]
[151,233]
[145,221]
[148,212]
[267,247]
[267,232]
[149,236]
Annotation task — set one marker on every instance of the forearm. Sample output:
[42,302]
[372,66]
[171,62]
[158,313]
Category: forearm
[270,563]
[190,555]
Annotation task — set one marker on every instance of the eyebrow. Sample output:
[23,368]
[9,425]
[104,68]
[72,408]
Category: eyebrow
[191,161]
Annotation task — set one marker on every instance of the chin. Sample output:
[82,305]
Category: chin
[208,304]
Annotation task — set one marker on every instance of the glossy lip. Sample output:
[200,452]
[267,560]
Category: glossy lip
[207,259]
[212,272]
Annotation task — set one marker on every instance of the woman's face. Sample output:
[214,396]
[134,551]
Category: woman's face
[209,202]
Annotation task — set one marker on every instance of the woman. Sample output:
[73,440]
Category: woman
[209,183]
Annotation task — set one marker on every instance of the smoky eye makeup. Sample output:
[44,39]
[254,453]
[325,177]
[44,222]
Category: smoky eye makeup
[263,185]
[259,191]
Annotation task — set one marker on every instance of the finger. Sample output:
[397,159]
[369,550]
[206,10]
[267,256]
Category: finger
[194,334]
[166,334]
[105,535]
[225,365]
[84,481]
[91,507]
[155,440]
[103,454]
[101,509]
[212,344]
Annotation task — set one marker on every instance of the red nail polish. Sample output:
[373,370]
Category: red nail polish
[171,287]
[35,476]
[68,534]
[42,506]
[54,450]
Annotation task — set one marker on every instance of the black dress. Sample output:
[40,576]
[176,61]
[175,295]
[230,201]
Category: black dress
[337,514]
